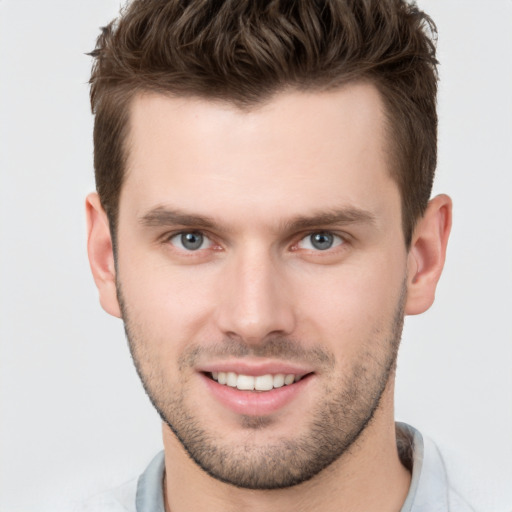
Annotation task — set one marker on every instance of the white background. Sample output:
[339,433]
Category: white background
[73,417]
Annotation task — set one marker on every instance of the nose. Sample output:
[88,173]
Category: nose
[254,300]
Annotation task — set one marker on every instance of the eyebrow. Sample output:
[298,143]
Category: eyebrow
[343,216]
[162,216]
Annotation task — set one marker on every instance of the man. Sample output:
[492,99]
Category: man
[262,224]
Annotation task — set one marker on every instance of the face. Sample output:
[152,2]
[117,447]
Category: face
[260,271]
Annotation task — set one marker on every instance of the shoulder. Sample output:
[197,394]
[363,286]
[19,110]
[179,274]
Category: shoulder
[120,499]
[458,503]
[144,493]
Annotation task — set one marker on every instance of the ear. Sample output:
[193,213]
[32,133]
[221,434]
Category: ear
[427,254]
[101,254]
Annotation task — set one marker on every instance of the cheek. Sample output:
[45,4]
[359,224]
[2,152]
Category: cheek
[166,302]
[352,303]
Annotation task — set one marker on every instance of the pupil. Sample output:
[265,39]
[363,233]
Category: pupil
[321,241]
[192,241]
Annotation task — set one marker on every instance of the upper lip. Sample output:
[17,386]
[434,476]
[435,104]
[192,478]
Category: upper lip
[255,368]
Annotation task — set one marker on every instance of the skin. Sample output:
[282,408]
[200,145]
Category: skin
[265,179]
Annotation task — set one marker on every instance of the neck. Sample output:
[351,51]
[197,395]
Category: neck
[368,477]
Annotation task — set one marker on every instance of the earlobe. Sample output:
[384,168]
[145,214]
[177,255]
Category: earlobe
[427,254]
[101,254]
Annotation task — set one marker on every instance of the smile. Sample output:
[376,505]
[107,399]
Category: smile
[255,383]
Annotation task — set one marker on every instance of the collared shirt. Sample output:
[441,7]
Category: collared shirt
[429,491]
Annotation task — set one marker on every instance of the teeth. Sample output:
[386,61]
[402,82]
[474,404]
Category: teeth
[289,379]
[259,383]
[245,382]
[264,383]
[278,380]
[231,379]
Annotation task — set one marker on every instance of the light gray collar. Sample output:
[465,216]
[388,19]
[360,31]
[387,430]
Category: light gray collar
[150,493]
[429,485]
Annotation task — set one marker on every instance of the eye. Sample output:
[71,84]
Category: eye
[320,241]
[190,241]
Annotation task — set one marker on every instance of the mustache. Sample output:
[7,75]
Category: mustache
[281,348]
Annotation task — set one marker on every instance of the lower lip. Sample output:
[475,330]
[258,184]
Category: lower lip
[256,403]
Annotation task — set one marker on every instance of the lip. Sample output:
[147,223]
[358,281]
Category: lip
[255,403]
[255,368]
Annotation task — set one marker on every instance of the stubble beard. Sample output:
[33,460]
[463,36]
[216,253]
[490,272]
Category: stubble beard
[348,407]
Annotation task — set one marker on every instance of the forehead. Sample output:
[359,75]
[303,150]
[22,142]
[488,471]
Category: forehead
[297,151]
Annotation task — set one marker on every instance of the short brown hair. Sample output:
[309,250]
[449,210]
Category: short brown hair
[244,51]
